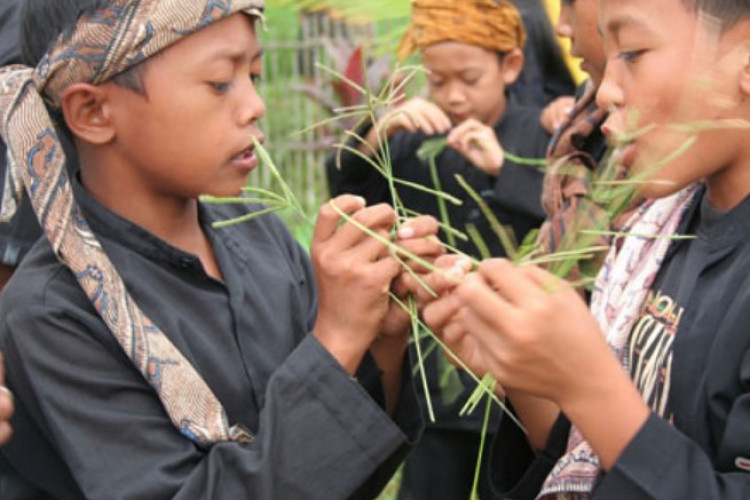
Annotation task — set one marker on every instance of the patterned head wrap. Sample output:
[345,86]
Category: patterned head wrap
[491,24]
[102,45]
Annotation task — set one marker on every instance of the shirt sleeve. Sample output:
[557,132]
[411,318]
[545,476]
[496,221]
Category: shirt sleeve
[516,469]
[519,187]
[321,435]
[661,463]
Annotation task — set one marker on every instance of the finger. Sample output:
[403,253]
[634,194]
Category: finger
[6,403]
[6,431]
[377,219]
[455,135]
[433,120]
[509,281]
[418,227]
[437,117]
[420,253]
[484,303]
[544,279]
[328,220]
[439,313]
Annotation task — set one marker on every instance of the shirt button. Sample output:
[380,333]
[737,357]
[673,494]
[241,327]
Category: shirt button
[185,263]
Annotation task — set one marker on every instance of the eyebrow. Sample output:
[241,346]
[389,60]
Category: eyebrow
[234,54]
[616,25]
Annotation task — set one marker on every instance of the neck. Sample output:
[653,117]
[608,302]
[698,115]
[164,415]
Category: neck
[172,218]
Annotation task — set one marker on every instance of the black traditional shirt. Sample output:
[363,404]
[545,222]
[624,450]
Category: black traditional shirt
[89,426]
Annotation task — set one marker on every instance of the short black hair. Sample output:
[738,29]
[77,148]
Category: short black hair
[727,12]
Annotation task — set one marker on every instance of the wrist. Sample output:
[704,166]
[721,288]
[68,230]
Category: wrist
[609,411]
[347,353]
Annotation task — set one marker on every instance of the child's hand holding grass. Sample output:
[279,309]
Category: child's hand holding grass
[354,273]
[478,143]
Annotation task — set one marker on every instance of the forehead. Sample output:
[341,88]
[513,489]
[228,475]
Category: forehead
[456,56]
[232,38]
[656,15]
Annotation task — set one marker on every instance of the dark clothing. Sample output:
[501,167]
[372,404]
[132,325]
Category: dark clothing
[514,198]
[513,195]
[89,426]
[545,75]
[442,467]
[18,234]
[704,453]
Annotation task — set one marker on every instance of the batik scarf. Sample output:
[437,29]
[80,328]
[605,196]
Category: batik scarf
[620,289]
[491,24]
[102,45]
[566,193]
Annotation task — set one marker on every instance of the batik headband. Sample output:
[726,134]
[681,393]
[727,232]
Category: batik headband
[491,24]
[103,44]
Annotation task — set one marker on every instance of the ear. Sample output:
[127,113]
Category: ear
[512,66]
[87,113]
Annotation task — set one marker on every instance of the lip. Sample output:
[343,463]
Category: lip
[245,161]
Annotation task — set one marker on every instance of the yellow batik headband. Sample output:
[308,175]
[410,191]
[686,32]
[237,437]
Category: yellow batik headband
[491,24]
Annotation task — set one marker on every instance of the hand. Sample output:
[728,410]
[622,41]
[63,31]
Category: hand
[418,237]
[555,113]
[415,115]
[444,314]
[354,272]
[478,143]
[535,331]
[6,406]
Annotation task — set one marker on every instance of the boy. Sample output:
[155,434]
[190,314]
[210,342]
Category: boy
[578,144]
[153,356]
[674,423]
[472,50]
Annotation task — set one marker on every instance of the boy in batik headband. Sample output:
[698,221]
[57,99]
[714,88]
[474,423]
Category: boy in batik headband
[151,355]
[472,50]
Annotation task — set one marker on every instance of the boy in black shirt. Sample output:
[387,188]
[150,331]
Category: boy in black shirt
[673,423]
[153,355]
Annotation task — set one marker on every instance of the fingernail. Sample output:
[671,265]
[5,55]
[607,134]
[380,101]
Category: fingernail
[406,232]
[361,200]
[7,391]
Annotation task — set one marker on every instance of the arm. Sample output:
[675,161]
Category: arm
[662,463]
[314,439]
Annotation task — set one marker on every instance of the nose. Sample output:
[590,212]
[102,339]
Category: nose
[252,107]
[563,27]
[455,93]
[610,94]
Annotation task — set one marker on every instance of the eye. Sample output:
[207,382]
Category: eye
[256,78]
[631,56]
[220,87]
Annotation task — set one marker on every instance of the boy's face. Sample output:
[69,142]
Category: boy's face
[467,81]
[668,66]
[579,20]
[191,133]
